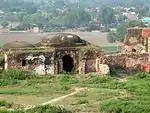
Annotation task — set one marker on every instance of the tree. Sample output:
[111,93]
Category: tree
[59,3]
[4,24]
[30,7]
[121,18]
[120,33]
[22,26]
[76,18]
[38,19]
[111,37]
[107,16]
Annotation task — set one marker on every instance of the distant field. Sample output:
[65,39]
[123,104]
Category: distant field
[99,39]
[95,38]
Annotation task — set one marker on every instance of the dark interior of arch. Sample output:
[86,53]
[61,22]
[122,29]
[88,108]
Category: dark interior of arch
[67,63]
[133,50]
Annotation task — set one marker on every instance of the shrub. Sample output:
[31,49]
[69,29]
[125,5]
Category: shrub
[124,106]
[3,103]
[4,111]
[17,74]
[48,109]
[6,82]
[142,75]
[40,109]
[66,79]
[65,88]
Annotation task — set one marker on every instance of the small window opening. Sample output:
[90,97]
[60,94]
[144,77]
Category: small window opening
[134,50]
[24,62]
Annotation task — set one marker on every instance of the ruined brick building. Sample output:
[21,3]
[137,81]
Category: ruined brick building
[137,40]
[54,54]
[63,52]
[135,51]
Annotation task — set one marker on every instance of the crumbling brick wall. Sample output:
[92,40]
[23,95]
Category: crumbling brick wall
[128,62]
[137,40]
[88,60]
[115,60]
[41,62]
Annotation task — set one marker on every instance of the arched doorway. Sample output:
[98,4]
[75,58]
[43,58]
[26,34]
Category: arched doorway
[67,63]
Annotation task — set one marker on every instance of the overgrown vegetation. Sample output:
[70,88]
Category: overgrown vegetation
[48,109]
[12,77]
[17,74]
[3,103]
[137,100]
[103,94]
[40,109]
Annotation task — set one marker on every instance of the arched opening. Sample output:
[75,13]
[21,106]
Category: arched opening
[134,50]
[24,62]
[67,63]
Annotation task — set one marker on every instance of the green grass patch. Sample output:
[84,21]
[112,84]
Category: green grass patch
[111,49]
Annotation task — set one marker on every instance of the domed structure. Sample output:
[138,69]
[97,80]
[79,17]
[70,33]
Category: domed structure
[62,40]
[55,54]
[17,44]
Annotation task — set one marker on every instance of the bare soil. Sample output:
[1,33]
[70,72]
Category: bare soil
[95,38]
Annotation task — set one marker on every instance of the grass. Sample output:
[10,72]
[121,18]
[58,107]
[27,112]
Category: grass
[102,94]
[111,49]
[40,109]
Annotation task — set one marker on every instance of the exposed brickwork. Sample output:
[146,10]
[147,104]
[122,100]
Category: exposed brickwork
[126,61]
[85,59]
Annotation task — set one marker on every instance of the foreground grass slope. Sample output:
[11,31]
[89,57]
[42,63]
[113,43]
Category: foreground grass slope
[102,94]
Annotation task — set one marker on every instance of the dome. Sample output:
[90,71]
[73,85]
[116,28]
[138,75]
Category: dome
[17,44]
[62,39]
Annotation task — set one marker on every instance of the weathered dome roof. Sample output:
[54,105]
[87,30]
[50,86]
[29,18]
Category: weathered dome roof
[17,44]
[62,39]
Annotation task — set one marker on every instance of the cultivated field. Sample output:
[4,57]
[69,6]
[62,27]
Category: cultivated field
[78,94]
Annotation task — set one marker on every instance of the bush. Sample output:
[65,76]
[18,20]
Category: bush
[124,106]
[111,37]
[17,74]
[142,75]
[66,79]
[3,103]
[48,109]
[6,82]
[4,111]
[40,109]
